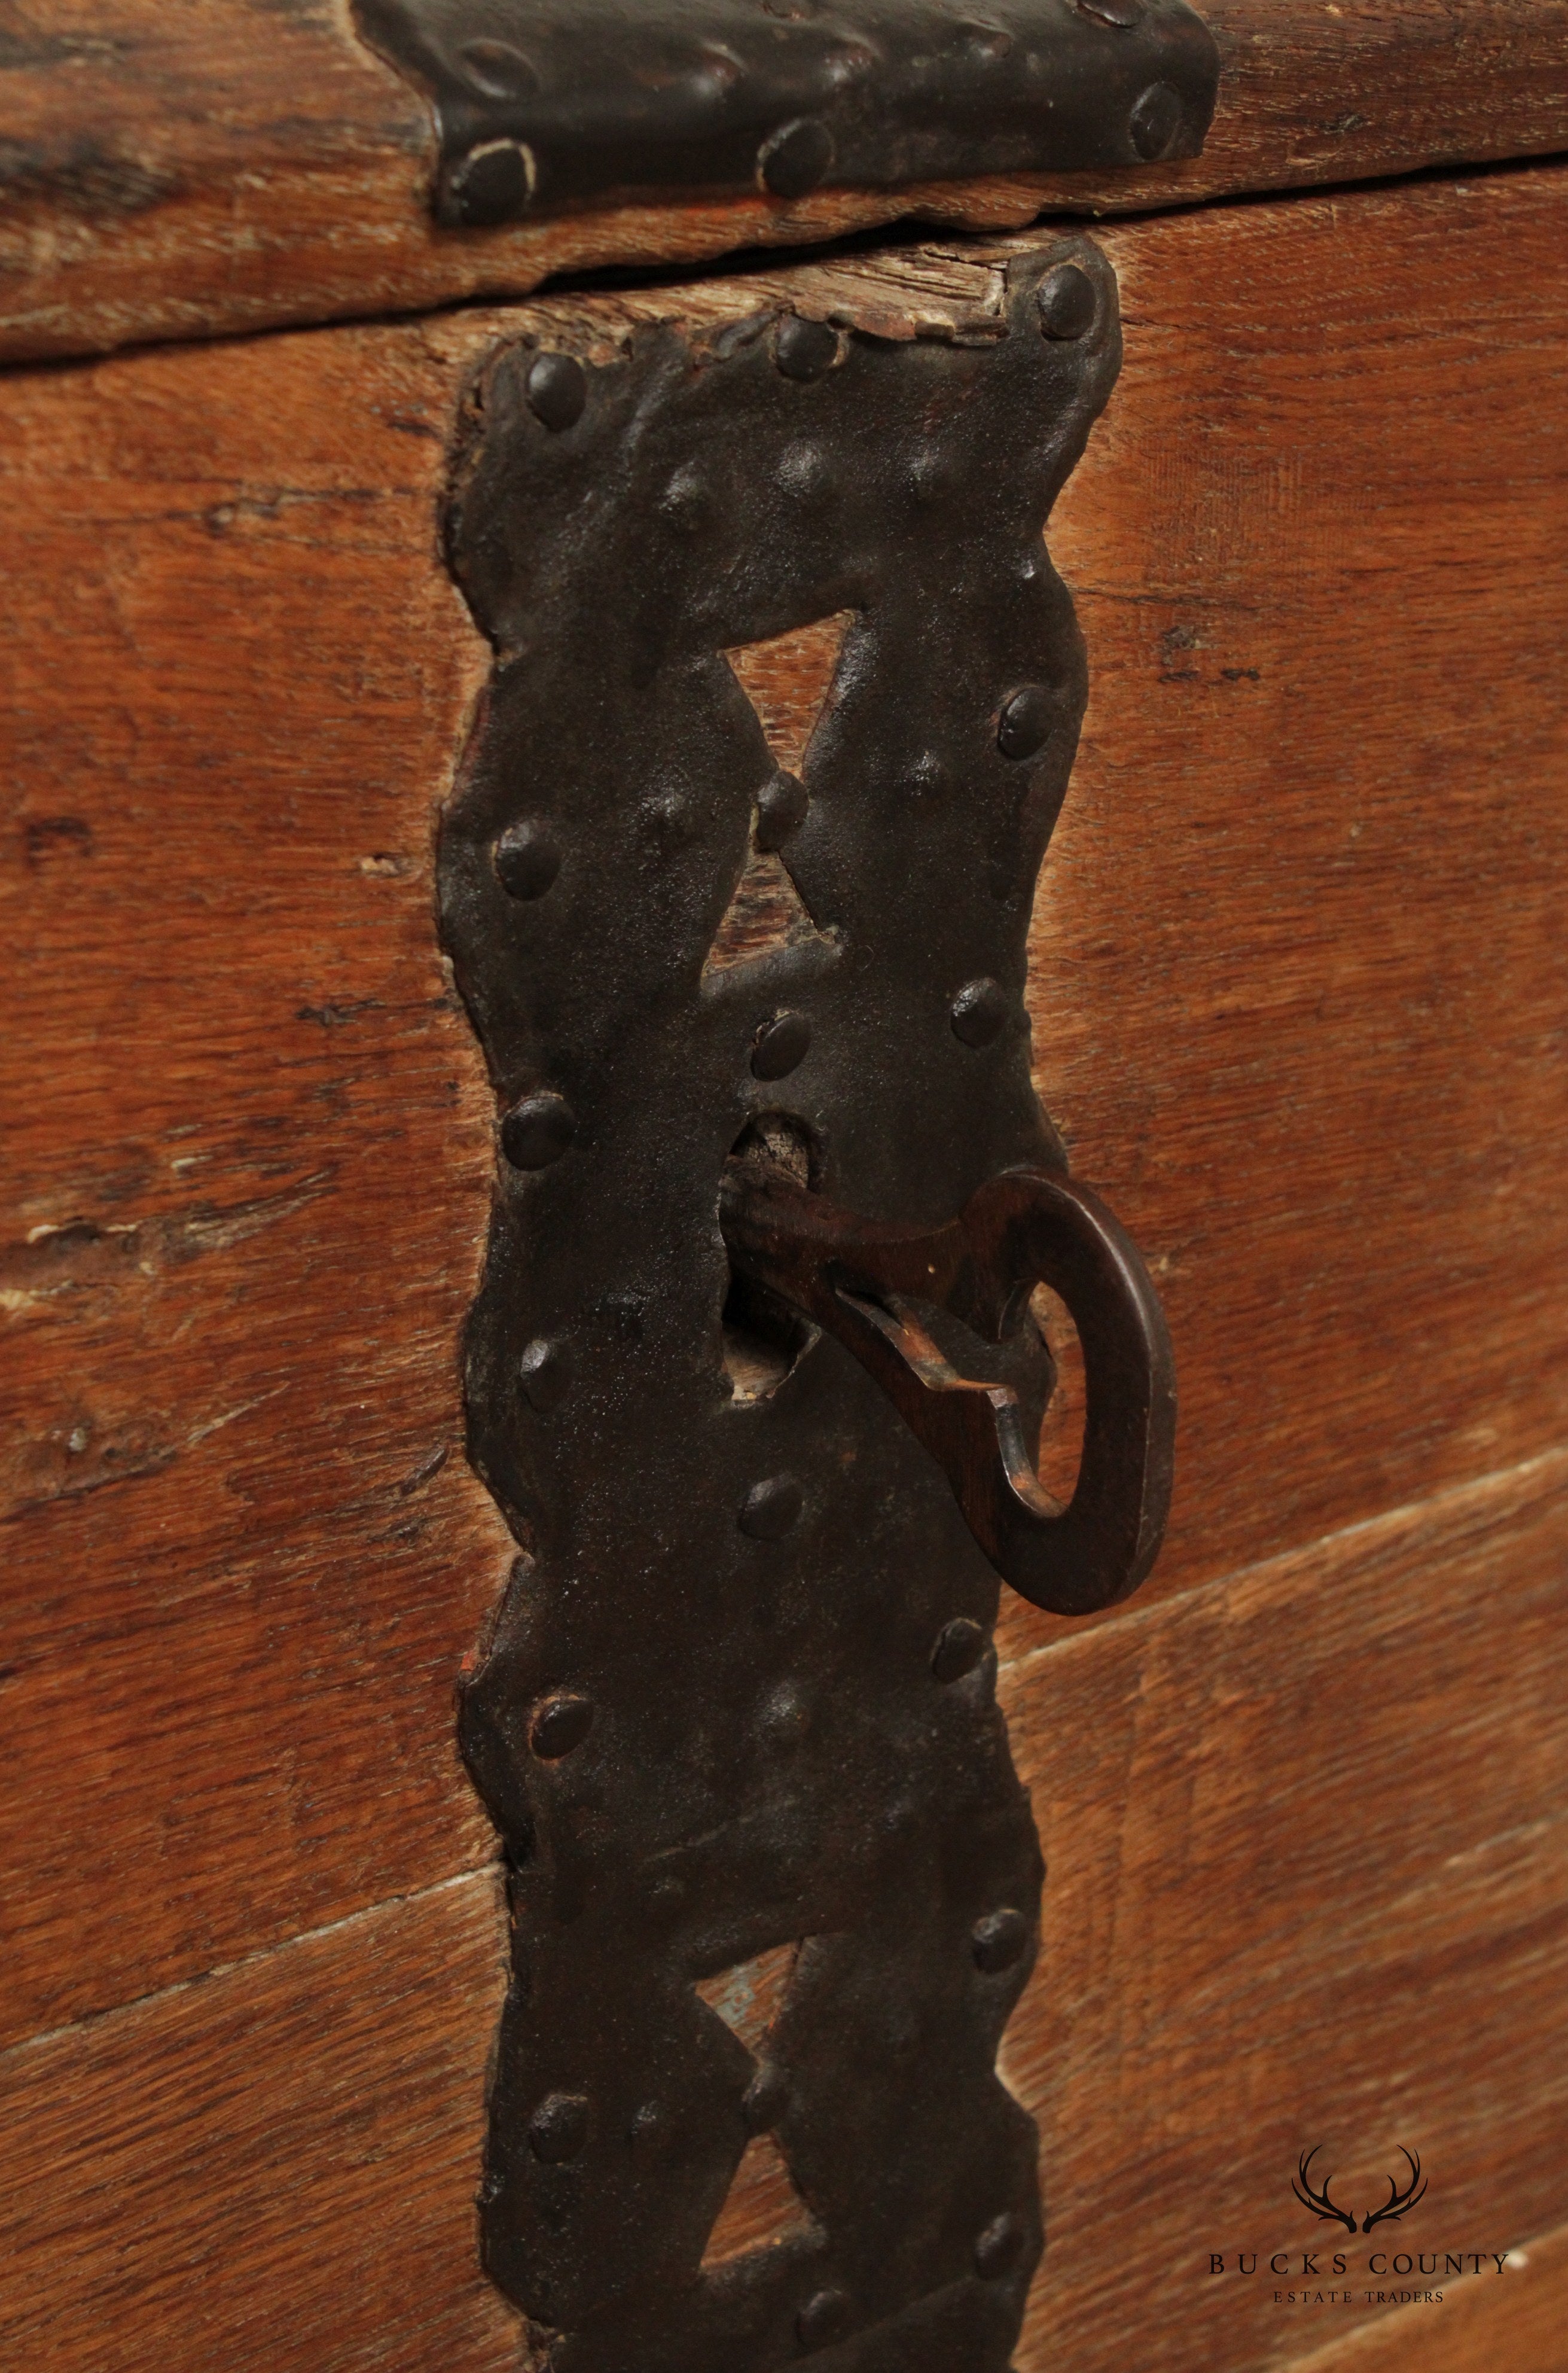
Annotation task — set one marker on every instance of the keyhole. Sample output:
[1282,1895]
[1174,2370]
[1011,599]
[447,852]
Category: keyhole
[764,1338]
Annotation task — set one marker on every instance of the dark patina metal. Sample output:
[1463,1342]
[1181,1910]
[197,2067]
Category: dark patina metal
[877,1288]
[545,104]
[739,1698]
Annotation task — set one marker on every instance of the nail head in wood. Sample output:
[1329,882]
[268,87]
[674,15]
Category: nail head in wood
[560,1725]
[527,859]
[557,390]
[771,1508]
[538,1131]
[781,1046]
[998,1940]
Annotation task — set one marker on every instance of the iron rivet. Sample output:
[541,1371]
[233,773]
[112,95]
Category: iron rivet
[1156,121]
[558,2127]
[795,157]
[493,184]
[651,2128]
[927,778]
[1067,302]
[1120,12]
[998,1940]
[805,470]
[785,1715]
[1024,727]
[538,1131]
[542,1373]
[767,2097]
[933,474]
[980,1013]
[560,1725]
[805,349]
[497,69]
[686,502]
[959,1647]
[771,1508]
[557,388]
[782,805]
[823,2318]
[999,2248]
[989,42]
[671,820]
[528,857]
[781,1045]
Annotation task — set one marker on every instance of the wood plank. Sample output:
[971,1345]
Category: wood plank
[248,1165]
[1516,2326]
[1308,1884]
[179,168]
[243,1234]
[1335,1909]
[273,2169]
[1298,979]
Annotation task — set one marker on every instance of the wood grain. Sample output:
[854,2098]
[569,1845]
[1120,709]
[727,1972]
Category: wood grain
[1299,989]
[1298,978]
[248,1162]
[1518,2326]
[1308,1883]
[179,168]
[275,2170]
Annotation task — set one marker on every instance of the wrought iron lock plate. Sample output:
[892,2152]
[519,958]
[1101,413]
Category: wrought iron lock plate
[545,104]
[735,1718]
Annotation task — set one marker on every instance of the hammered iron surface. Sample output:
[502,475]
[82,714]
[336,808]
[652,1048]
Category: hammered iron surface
[543,105]
[707,1719]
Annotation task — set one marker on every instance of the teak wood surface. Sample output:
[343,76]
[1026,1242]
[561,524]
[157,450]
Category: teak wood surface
[1298,999]
[179,168]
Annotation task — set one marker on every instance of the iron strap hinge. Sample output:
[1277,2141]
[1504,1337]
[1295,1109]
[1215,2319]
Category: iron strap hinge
[737,882]
[545,105]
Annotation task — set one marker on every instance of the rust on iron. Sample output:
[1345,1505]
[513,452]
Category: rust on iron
[542,105]
[763,1460]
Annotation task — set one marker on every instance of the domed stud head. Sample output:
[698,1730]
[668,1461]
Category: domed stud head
[557,390]
[795,158]
[782,807]
[804,350]
[998,2250]
[1024,727]
[998,1940]
[559,2128]
[526,857]
[767,2097]
[1156,122]
[1066,302]
[543,1375]
[781,1046]
[959,1647]
[538,1131]
[560,1725]
[980,1013]
[493,184]
[826,2316]
[771,1508]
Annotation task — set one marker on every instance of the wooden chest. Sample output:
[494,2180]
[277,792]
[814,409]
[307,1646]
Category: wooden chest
[534,703]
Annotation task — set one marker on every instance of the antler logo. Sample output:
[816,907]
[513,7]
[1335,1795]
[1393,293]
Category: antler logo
[1323,2206]
[1399,2200]
[1319,2202]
